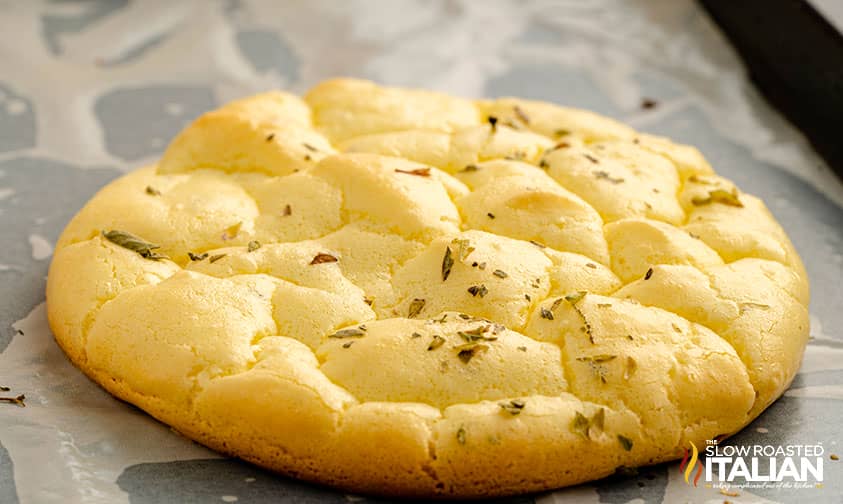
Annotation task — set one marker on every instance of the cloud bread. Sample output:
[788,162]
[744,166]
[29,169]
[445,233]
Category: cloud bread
[399,292]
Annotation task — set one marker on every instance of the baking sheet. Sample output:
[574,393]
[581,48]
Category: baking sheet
[92,89]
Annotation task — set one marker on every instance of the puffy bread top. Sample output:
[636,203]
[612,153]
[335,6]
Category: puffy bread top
[442,262]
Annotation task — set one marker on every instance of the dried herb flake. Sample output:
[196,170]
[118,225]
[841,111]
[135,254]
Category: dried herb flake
[604,175]
[322,258]
[478,290]
[197,257]
[416,306]
[648,103]
[19,400]
[134,243]
[493,121]
[513,407]
[419,172]
[447,263]
[580,424]
[469,350]
[351,332]
[215,258]
[437,342]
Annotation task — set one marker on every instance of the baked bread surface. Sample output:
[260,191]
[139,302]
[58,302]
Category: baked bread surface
[400,292]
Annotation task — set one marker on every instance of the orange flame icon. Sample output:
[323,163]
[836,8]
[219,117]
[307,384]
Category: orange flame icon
[687,466]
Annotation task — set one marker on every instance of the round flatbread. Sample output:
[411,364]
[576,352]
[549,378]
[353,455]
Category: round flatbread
[400,292]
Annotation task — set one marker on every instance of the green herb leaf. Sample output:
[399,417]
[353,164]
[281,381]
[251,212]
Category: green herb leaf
[478,290]
[437,342]
[447,263]
[416,306]
[152,191]
[197,257]
[720,196]
[479,333]
[625,442]
[253,245]
[469,350]
[546,314]
[598,419]
[463,247]
[604,175]
[500,273]
[513,407]
[351,332]
[215,258]
[134,243]
[599,358]
[580,424]
[461,435]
